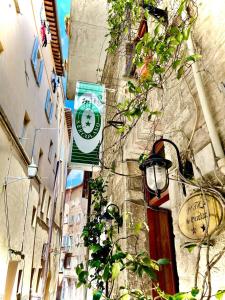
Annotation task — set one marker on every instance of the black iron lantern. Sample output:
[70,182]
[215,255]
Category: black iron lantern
[113,213]
[156,172]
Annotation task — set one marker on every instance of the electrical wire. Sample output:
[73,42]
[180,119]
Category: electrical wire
[24,230]
[5,196]
[7,217]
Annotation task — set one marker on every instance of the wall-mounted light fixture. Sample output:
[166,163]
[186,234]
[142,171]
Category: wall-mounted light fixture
[32,169]
[156,170]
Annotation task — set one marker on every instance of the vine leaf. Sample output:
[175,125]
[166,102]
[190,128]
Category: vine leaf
[163,261]
[150,272]
[180,72]
[219,295]
[138,227]
[95,248]
[125,297]
[181,8]
[193,57]
[194,292]
[115,270]
[176,63]
[106,273]
[97,295]
[190,247]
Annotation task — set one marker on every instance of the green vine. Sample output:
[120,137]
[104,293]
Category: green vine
[107,258]
[161,51]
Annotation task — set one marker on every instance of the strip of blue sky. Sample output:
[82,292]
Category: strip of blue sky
[75,177]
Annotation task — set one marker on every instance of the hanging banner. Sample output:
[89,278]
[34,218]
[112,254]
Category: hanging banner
[89,107]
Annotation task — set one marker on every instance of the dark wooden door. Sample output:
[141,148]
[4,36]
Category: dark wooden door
[161,245]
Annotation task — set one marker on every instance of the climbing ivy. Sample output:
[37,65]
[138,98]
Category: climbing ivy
[161,51]
[107,259]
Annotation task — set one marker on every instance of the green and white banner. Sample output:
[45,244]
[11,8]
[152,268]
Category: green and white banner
[89,108]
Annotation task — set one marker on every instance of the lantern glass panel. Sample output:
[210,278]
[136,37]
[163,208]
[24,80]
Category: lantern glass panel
[157,179]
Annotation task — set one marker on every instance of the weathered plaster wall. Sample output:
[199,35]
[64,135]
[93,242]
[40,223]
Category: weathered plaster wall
[19,94]
[87,42]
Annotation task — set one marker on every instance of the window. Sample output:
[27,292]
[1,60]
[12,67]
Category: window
[37,62]
[50,151]
[78,219]
[61,267]
[31,278]
[18,288]
[71,241]
[71,220]
[54,81]
[57,109]
[43,201]
[40,156]
[44,251]
[66,219]
[48,208]
[48,107]
[33,219]
[65,241]
[54,163]
[16,2]
[26,121]
[38,285]
[67,262]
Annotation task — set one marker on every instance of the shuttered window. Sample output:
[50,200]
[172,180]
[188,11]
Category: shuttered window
[37,62]
[49,107]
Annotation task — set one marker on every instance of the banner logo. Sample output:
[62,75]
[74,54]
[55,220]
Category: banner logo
[89,109]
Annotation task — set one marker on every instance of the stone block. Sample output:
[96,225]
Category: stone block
[205,161]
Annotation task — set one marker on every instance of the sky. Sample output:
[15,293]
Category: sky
[63,10]
[75,176]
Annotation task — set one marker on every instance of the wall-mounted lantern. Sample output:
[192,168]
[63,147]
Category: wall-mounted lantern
[32,169]
[156,170]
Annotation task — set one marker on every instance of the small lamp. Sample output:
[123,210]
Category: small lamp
[32,169]
[156,172]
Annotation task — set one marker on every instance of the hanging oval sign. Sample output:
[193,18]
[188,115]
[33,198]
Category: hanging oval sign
[201,215]
[88,121]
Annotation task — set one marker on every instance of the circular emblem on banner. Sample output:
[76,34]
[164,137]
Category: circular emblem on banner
[200,215]
[88,120]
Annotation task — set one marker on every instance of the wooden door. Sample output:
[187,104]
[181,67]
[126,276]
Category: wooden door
[161,245]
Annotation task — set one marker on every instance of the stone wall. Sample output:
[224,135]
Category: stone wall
[181,121]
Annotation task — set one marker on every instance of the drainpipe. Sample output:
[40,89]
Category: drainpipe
[213,133]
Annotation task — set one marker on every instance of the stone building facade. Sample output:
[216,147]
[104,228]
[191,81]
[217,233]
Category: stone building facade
[33,129]
[73,250]
[182,121]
